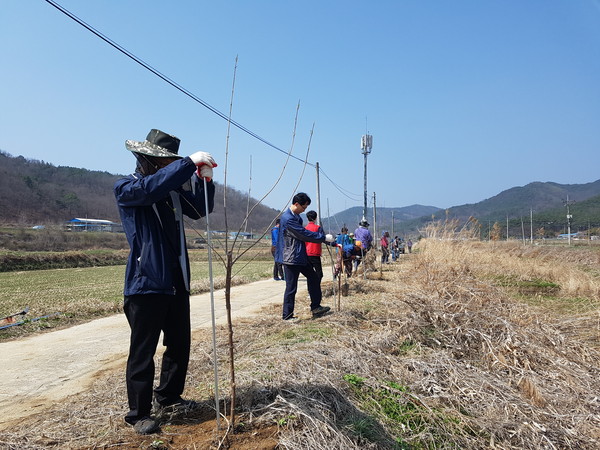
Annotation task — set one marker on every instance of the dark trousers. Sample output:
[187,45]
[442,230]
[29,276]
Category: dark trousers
[277,267]
[315,262]
[148,315]
[385,255]
[291,287]
[348,266]
[278,270]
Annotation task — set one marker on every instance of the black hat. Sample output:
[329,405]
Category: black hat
[364,223]
[157,144]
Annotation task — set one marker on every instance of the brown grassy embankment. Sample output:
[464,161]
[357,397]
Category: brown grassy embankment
[463,345]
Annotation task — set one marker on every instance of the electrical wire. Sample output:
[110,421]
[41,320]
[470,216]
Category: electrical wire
[168,80]
[341,190]
[189,94]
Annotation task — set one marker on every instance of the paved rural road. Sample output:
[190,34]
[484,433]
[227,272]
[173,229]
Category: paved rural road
[39,370]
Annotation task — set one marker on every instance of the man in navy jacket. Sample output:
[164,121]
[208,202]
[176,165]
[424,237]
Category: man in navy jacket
[291,252]
[151,203]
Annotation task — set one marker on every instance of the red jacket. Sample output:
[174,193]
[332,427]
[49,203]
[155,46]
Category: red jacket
[313,248]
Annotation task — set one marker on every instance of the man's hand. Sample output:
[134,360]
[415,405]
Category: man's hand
[205,171]
[200,158]
[205,163]
[329,238]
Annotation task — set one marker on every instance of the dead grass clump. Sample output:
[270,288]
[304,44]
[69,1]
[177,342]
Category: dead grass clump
[498,360]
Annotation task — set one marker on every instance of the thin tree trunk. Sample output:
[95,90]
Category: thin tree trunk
[230,332]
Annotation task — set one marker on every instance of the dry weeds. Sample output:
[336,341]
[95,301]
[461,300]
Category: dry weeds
[430,352]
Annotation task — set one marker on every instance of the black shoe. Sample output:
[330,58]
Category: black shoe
[180,406]
[318,312]
[292,319]
[146,425]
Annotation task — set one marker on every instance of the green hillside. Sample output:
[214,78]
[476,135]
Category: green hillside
[35,192]
[518,201]
[541,205]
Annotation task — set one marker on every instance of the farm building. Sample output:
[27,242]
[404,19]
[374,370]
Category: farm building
[240,235]
[79,224]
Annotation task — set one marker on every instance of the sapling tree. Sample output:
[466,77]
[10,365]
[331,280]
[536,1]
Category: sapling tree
[232,251]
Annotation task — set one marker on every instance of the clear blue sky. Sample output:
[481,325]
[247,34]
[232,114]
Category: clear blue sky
[464,99]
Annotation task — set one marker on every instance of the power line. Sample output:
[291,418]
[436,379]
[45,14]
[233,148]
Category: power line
[186,92]
[340,189]
[168,80]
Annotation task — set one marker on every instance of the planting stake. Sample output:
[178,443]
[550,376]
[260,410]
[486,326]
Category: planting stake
[212,306]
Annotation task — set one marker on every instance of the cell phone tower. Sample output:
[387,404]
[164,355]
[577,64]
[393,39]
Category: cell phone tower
[366,145]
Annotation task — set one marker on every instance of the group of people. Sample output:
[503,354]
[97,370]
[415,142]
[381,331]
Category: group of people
[352,248]
[396,247]
[297,250]
[152,202]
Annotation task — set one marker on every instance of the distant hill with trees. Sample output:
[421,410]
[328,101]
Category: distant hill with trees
[36,192]
[387,218]
[518,201]
[541,204]
[538,204]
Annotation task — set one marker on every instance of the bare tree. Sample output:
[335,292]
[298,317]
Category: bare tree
[232,252]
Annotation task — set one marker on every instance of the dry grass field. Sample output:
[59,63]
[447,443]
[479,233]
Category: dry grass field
[463,344]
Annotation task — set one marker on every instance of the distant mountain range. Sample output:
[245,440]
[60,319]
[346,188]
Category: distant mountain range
[387,218]
[35,192]
[542,203]
[518,201]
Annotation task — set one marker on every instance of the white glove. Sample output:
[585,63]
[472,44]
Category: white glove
[203,158]
[205,171]
[329,238]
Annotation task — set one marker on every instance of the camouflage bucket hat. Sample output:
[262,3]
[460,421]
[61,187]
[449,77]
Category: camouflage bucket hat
[157,144]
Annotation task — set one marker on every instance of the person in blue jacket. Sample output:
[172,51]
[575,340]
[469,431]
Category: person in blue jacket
[277,267]
[346,247]
[291,252]
[151,204]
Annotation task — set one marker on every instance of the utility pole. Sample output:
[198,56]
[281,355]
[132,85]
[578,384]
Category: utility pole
[366,145]
[569,217]
[531,224]
[393,224]
[374,220]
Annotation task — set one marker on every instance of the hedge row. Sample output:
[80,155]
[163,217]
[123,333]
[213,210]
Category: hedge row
[15,261]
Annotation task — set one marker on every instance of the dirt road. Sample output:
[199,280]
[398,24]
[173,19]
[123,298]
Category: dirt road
[40,370]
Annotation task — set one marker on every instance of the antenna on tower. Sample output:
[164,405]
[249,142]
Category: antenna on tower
[366,144]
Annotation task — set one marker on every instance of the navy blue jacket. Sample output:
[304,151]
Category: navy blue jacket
[154,244]
[292,236]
